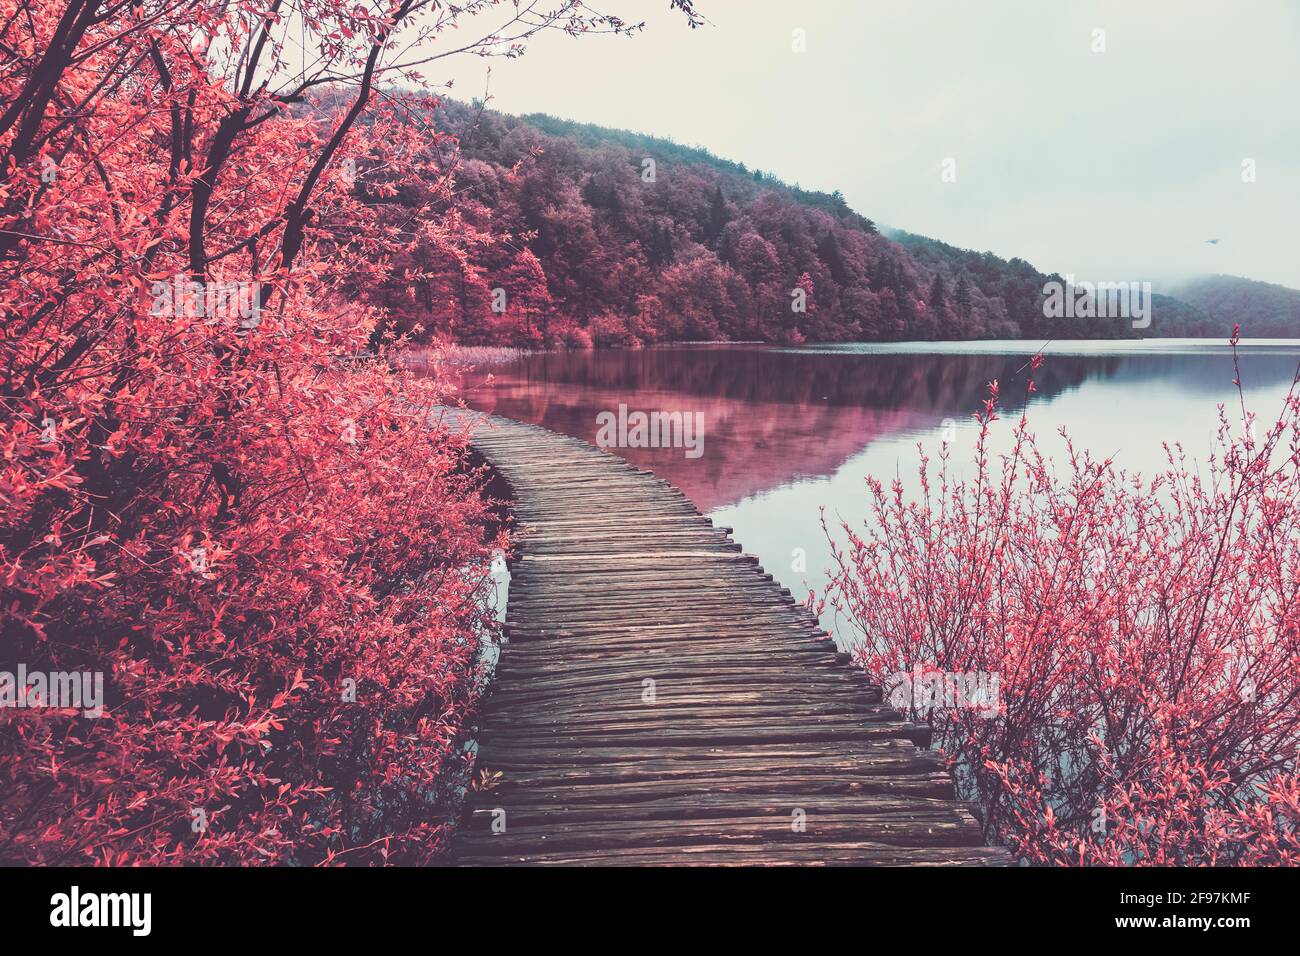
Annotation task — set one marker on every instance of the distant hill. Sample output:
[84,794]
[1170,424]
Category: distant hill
[618,238]
[1263,309]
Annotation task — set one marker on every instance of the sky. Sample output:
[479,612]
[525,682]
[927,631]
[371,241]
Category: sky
[1113,156]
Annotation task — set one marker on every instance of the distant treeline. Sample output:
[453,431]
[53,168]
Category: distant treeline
[1264,310]
[575,234]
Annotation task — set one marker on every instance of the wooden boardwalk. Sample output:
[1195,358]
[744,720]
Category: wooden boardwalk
[660,700]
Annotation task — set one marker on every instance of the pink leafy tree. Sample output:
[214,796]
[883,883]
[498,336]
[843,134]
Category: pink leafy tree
[1135,642]
[219,492]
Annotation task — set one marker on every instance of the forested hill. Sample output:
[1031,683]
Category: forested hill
[616,238]
[1262,308]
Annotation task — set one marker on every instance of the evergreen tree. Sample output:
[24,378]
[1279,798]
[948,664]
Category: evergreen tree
[828,250]
[938,293]
[962,296]
[718,218]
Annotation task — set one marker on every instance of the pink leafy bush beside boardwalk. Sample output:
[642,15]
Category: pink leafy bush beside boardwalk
[1144,632]
[274,565]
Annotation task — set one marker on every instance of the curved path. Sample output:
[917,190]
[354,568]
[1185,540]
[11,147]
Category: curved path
[660,699]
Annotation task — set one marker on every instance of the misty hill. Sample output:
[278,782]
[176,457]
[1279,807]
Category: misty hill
[618,238]
[1264,310]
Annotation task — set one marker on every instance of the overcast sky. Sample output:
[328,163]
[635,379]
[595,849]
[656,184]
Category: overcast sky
[1111,165]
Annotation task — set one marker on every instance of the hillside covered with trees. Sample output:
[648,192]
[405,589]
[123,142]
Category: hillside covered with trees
[575,234]
[1263,308]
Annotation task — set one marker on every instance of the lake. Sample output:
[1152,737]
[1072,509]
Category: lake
[786,431]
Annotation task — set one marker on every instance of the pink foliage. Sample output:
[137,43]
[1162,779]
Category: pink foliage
[1144,633]
[237,511]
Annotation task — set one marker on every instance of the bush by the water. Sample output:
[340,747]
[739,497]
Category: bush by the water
[218,494]
[1140,636]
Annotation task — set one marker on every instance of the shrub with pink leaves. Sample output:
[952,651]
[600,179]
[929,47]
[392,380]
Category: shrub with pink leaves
[1144,634]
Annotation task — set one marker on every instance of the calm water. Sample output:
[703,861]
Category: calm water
[788,431]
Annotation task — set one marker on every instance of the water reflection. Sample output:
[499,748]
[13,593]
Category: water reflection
[787,431]
[774,416]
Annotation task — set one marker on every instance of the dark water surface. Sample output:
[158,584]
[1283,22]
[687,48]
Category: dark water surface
[787,431]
